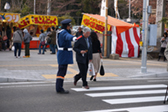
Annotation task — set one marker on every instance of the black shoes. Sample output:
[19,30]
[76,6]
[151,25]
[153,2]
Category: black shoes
[63,92]
[91,78]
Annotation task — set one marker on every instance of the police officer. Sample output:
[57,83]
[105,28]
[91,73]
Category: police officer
[64,54]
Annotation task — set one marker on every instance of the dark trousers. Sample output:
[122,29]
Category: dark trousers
[82,73]
[17,46]
[62,69]
[162,54]
[27,50]
[52,46]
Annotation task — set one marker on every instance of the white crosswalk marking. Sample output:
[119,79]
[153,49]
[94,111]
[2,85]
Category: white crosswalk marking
[160,108]
[134,100]
[125,93]
[156,91]
[120,87]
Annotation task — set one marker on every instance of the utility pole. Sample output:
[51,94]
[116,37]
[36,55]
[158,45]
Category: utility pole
[48,7]
[106,22]
[144,36]
[34,6]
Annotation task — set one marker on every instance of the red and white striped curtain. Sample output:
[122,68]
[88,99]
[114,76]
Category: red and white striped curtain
[126,44]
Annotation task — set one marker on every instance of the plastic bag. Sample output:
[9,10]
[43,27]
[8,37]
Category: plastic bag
[91,69]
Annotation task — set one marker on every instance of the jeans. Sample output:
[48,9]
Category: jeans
[40,48]
[52,48]
[17,46]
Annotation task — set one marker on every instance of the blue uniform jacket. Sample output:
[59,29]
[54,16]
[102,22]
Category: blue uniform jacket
[64,41]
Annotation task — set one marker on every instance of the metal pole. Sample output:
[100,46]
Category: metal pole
[144,36]
[129,9]
[34,6]
[48,7]
[106,22]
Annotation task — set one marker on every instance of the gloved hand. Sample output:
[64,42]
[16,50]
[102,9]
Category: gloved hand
[74,39]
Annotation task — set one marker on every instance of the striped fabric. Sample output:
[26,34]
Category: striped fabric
[126,44]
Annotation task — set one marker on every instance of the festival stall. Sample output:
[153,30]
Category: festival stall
[125,36]
[34,23]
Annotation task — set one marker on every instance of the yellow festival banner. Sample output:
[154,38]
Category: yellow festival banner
[38,20]
[10,17]
[94,24]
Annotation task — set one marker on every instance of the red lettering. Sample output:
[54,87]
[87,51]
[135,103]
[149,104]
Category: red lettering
[92,24]
[86,21]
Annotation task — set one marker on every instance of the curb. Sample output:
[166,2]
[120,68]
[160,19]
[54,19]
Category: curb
[2,80]
[151,75]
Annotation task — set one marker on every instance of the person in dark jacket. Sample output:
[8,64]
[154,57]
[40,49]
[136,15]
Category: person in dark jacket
[64,54]
[52,35]
[42,39]
[17,41]
[83,49]
[27,39]
[97,55]
[80,32]
[8,34]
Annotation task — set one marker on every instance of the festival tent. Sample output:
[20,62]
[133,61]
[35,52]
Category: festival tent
[34,23]
[125,36]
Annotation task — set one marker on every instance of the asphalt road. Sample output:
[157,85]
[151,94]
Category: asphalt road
[125,95]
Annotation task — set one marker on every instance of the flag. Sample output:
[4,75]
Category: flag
[116,8]
[103,8]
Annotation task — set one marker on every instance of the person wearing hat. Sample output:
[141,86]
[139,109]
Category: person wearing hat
[64,54]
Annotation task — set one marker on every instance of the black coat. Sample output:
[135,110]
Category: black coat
[79,45]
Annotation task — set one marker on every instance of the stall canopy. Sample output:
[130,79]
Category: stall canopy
[125,36]
[9,17]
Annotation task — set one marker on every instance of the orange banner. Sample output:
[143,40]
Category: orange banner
[94,24]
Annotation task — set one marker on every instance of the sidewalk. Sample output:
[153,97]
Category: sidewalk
[44,68]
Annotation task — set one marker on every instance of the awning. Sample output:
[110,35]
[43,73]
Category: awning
[38,20]
[97,23]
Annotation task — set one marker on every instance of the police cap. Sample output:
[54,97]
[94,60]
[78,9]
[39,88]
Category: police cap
[66,21]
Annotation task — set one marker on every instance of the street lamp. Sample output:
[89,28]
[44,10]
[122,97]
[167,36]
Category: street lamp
[7,6]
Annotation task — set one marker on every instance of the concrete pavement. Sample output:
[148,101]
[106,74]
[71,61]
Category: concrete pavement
[44,68]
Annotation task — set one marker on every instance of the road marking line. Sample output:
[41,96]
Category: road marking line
[140,92]
[159,108]
[120,87]
[134,100]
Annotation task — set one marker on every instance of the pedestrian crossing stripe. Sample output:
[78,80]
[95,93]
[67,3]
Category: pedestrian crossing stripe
[120,87]
[134,100]
[159,108]
[126,93]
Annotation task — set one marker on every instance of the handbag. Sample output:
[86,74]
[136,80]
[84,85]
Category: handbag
[91,69]
[102,72]
[5,38]
[43,43]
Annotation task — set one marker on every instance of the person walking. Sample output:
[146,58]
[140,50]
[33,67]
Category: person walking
[80,32]
[64,54]
[47,42]
[8,33]
[52,35]
[27,39]
[83,49]
[163,41]
[42,41]
[3,41]
[97,55]
[17,41]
